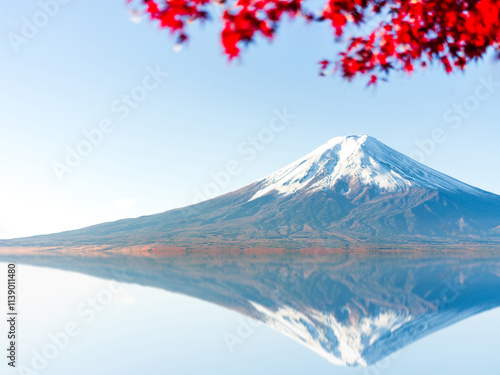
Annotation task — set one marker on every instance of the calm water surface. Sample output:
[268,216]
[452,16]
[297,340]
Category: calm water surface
[257,314]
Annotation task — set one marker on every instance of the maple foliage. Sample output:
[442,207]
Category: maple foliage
[401,35]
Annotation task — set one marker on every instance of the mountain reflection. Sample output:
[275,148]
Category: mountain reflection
[353,309]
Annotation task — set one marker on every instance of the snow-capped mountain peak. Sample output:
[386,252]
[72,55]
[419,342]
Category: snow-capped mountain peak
[340,343]
[353,161]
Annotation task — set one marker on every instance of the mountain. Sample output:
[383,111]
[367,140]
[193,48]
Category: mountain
[350,190]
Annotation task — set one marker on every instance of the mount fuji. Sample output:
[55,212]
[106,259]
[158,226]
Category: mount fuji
[351,189]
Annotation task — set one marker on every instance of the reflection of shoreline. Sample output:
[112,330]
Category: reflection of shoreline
[162,250]
[352,308]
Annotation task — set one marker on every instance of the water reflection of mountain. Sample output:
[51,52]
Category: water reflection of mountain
[351,309]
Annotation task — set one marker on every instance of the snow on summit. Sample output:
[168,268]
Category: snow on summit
[361,160]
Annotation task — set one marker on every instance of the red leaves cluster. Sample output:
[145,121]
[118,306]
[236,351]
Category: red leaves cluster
[175,14]
[249,17]
[418,32]
[407,33]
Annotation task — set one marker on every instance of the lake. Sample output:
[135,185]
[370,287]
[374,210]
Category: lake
[214,312]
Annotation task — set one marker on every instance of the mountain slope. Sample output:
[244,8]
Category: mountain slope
[348,190]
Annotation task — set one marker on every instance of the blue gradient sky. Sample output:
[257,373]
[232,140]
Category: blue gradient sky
[65,79]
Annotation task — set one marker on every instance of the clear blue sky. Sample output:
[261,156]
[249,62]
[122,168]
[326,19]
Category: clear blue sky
[65,79]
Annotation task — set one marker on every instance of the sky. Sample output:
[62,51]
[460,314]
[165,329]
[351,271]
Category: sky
[104,118]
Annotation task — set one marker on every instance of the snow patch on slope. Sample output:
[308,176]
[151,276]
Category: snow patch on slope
[359,160]
[339,343]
